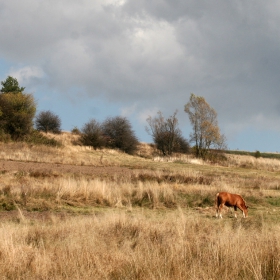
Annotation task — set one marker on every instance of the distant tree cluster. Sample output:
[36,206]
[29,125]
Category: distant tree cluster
[115,133]
[18,109]
[206,134]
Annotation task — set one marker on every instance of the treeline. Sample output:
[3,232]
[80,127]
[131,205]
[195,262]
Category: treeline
[256,154]
[19,122]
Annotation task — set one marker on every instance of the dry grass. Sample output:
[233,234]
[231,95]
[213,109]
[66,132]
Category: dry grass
[68,154]
[255,163]
[135,245]
[155,222]
[146,189]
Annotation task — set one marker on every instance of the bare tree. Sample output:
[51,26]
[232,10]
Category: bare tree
[206,132]
[166,134]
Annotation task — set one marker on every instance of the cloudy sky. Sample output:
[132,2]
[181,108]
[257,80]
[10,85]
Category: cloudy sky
[96,59]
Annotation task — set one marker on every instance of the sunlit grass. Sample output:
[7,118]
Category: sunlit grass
[155,222]
[140,245]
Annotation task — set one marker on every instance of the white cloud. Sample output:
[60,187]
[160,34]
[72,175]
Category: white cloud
[144,114]
[27,73]
[128,111]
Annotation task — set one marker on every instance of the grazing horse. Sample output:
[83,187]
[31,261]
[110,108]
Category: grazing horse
[230,200]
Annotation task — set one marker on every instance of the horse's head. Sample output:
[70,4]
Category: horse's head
[245,211]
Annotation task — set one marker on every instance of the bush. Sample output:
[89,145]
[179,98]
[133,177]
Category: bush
[257,154]
[181,144]
[4,137]
[76,131]
[215,156]
[17,111]
[115,133]
[92,134]
[118,133]
[48,122]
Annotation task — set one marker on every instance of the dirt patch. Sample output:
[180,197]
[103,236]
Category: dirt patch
[31,167]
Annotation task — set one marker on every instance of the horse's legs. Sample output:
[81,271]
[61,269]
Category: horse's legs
[241,209]
[219,211]
[235,210]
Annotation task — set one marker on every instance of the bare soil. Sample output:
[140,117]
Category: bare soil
[9,165]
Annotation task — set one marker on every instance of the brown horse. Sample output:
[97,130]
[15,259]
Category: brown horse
[230,200]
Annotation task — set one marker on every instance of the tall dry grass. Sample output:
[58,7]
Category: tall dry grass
[45,190]
[251,162]
[135,245]
[155,222]
[48,191]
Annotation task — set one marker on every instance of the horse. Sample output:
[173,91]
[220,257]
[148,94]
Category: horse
[230,200]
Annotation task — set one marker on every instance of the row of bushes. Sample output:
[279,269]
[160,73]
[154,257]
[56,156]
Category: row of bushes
[17,113]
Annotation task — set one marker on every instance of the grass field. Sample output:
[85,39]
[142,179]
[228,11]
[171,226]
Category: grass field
[156,221]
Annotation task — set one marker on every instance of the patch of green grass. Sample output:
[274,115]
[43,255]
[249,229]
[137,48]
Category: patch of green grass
[274,201]
[195,199]
[255,200]
[7,205]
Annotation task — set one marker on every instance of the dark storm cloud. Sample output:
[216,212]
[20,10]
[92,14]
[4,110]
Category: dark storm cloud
[150,55]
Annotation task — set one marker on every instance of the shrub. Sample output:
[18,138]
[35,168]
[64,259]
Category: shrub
[4,137]
[48,122]
[76,131]
[181,144]
[118,133]
[92,134]
[257,154]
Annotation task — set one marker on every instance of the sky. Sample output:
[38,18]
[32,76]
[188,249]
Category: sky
[87,59]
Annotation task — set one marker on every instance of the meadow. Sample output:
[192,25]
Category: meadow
[142,217]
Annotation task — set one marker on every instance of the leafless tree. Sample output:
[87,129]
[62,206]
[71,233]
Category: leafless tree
[166,134]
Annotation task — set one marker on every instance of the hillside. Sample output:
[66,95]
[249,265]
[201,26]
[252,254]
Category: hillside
[239,173]
[109,215]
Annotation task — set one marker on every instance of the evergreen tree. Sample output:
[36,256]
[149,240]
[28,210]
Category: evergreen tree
[11,85]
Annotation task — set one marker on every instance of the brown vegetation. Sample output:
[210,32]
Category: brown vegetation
[76,213]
